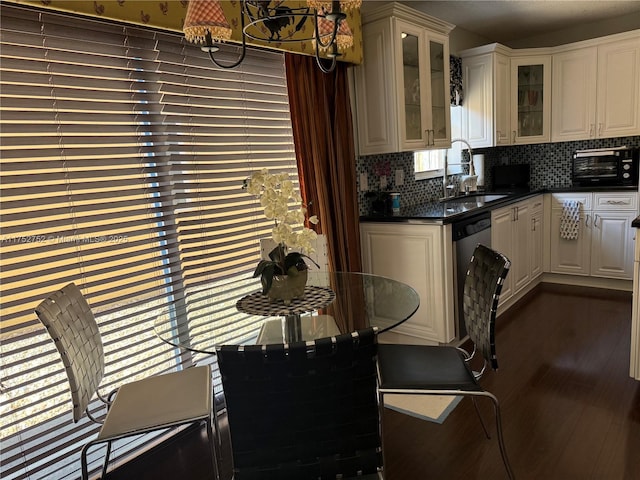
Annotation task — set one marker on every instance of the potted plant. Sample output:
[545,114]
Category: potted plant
[284,275]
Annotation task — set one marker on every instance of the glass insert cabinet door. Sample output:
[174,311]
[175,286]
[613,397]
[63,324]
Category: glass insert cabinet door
[439,75]
[414,127]
[424,82]
[530,103]
[530,100]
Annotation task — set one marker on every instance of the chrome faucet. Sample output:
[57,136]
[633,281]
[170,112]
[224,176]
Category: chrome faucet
[445,184]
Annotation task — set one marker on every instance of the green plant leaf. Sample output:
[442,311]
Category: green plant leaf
[278,255]
[266,277]
[262,265]
[294,259]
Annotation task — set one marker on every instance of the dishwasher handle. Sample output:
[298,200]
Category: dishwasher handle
[470,226]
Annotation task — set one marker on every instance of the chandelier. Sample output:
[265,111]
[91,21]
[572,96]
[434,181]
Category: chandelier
[274,22]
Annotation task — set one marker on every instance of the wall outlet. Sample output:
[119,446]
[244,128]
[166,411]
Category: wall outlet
[364,182]
[399,177]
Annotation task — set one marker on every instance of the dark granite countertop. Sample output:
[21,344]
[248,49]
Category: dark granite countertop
[463,207]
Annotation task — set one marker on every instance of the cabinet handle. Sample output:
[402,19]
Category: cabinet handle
[595,221]
[586,220]
[599,129]
[514,137]
[433,137]
[617,202]
[533,224]
[592,129]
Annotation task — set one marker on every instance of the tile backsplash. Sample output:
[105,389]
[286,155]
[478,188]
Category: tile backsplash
[550,167]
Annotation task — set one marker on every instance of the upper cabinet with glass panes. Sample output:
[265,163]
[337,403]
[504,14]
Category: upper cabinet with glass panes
[402,86]
[531,99]
[577,91]
[507,98]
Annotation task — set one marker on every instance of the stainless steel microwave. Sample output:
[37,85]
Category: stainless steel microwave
[605,166]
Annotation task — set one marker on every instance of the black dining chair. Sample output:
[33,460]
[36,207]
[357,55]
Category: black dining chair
[305,410]
[147,405]
[445,370]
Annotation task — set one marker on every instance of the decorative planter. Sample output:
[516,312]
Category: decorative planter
[287,287]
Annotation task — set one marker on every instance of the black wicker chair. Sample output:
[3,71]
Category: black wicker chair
[304,410]
[443,370]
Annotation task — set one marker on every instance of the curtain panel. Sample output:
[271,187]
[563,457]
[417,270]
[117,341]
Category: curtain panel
[325,152]
[323,133]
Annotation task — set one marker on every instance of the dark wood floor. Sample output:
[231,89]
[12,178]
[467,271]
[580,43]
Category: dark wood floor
[570,410]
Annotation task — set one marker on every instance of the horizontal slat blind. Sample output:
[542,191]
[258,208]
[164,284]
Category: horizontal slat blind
[123,153]
[78,204]
[217,221]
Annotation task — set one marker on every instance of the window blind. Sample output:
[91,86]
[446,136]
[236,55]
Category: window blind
[123,152]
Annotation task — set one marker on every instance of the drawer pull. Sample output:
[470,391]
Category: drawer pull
[618,202]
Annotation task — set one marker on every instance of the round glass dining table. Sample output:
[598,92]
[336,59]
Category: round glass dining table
[236,312]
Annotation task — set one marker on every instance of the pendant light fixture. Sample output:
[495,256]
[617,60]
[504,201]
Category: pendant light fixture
[273,22]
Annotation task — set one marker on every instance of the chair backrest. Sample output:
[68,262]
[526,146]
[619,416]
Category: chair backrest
[483,284]
[73,328]
[304,410]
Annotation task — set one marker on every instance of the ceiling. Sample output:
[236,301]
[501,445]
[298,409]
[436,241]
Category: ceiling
[510,21]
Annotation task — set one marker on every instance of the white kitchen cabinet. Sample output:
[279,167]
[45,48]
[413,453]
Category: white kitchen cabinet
[573,113]
[604,247]
[570,256]
[402,86]
[530,99]
[420,256]
[502,101]
[516,231]
[537,237]
[618,99]
[596,90]
[507,96]
[502,240]
[486,112]
[634,363]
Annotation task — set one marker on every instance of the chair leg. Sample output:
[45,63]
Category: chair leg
[484,426]
[105,464]
[503,450]
[83,461]
[381,432]
[212,444]
[84,464]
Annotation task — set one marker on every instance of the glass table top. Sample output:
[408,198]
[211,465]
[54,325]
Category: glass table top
[215,315]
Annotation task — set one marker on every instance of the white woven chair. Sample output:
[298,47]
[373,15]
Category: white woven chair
[147,405]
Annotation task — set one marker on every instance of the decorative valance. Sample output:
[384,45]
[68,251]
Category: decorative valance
[170,15]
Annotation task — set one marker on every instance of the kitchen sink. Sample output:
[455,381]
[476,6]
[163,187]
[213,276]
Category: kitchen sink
[478,199]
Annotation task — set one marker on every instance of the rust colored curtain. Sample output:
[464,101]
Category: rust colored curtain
[325,152]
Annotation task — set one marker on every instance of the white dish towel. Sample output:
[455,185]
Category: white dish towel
[570,220]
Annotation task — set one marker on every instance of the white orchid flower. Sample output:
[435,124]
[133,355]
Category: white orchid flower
[277,195]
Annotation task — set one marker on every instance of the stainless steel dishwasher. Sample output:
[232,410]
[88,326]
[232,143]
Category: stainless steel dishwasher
[467,234]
